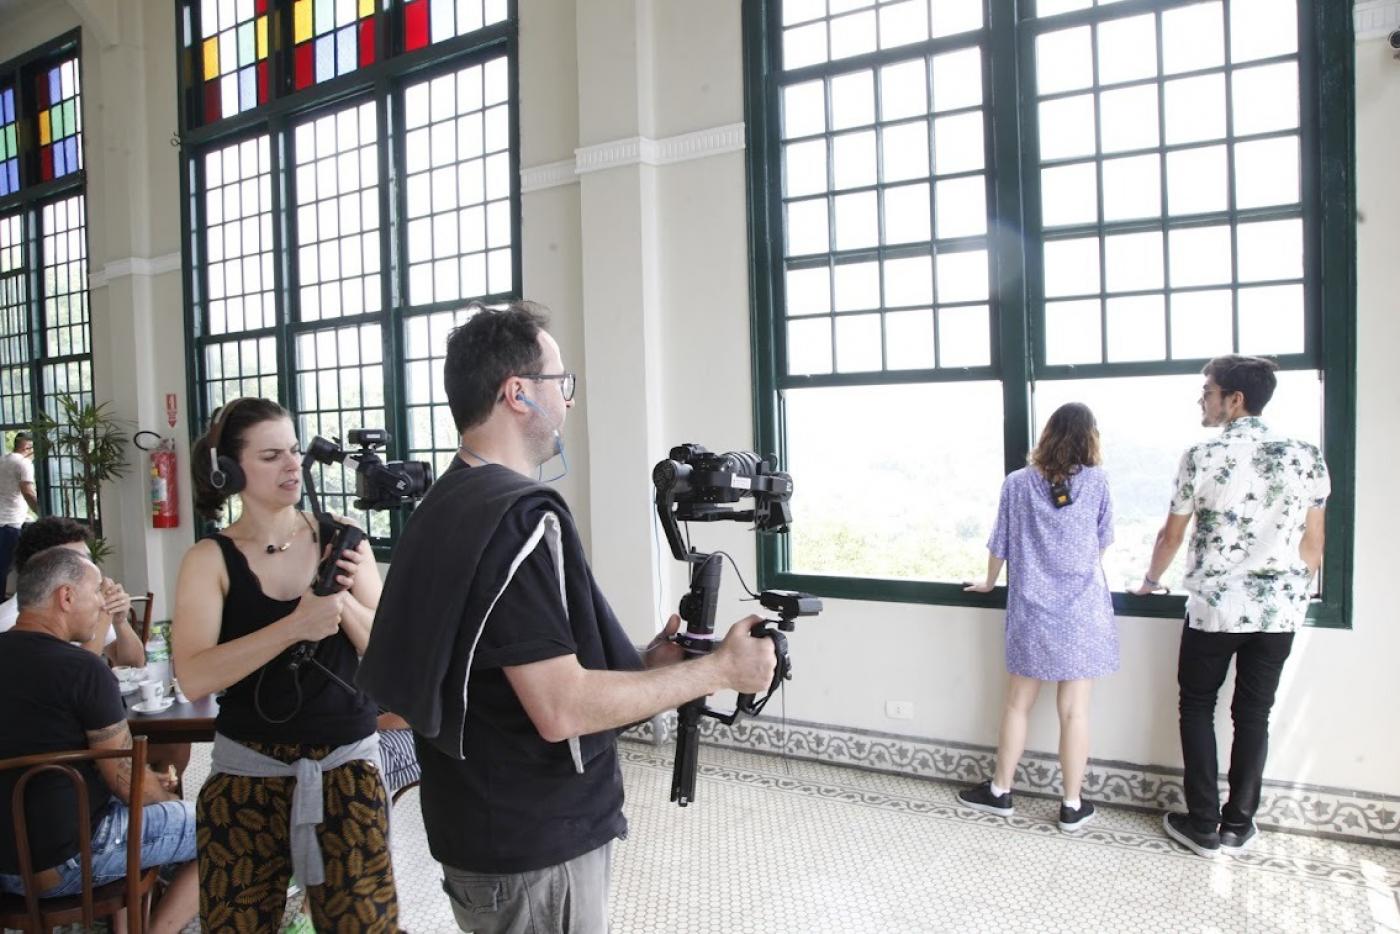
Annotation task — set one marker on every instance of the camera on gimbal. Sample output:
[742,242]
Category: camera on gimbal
[378,485]
[696,485]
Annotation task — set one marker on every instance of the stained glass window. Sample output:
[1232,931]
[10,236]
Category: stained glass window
[234,57]
[45,322]
[294,226]
[428,21]
[330,38]
[57,91]
[9,143]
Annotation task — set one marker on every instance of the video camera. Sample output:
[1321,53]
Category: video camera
[696,485]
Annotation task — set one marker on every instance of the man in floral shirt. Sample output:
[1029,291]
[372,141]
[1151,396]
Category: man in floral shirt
[1258,500]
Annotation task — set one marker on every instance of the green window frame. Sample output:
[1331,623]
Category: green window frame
[1021,334]
[45,318]
[336,231]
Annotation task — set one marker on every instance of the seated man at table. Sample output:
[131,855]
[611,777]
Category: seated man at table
[57,696]
[118,641]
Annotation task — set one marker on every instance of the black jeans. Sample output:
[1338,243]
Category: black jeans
[1201,668]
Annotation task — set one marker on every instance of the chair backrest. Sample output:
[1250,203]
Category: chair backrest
[62,763]
[142,624]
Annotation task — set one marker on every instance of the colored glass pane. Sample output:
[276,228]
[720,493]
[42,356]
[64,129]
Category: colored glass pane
[9,144]
[60,120]
[415,24]
[211,58]
[301,20]
[234,56]
[330,38]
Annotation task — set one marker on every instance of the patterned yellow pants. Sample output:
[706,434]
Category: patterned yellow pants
[245,854]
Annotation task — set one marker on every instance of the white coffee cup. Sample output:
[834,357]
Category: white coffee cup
[152,692]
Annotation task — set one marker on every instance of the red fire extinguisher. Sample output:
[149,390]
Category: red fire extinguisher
[165,489]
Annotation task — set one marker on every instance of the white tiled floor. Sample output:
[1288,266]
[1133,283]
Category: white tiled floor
[774,846]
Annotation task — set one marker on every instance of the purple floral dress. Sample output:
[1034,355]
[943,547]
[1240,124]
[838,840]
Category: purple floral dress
[1059,615]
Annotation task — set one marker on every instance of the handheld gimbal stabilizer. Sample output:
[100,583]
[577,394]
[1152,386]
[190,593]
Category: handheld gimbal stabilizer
[377,485]
[695,485]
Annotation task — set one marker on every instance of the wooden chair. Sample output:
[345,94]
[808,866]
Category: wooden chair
[142,625]
[28,912]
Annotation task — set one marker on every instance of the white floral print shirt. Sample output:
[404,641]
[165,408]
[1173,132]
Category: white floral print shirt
[1251,491]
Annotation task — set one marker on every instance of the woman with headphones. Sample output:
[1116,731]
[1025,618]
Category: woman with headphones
[295,785]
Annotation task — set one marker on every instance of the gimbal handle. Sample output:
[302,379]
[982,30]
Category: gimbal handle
[782,671]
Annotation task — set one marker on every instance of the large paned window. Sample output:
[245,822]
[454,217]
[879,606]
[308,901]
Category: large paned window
[967,214]
[345,209]
[45,325]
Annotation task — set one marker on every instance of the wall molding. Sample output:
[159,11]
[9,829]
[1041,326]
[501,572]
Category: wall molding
[1364,817]
[634,150]
[1375,19]
[134,266]
[549,175]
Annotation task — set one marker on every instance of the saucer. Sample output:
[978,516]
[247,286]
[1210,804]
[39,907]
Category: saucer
[158,706]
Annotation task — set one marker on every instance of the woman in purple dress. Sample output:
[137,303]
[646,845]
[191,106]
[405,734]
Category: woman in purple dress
[1053,524]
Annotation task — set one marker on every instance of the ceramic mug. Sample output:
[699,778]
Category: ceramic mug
[152,692]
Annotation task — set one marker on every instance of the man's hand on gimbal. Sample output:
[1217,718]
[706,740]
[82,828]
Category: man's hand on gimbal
[748,662]
[662,651]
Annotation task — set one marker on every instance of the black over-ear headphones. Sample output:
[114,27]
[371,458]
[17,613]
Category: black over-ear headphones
[224,473]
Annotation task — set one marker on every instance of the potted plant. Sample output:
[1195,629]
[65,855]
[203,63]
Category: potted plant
[87,443]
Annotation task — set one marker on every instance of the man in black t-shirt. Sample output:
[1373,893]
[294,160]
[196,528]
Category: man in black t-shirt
[56,697]
[524,821]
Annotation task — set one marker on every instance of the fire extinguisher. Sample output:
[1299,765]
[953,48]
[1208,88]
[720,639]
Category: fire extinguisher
[165,489]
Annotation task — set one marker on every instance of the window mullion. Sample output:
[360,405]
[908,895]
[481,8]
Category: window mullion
[1009,257]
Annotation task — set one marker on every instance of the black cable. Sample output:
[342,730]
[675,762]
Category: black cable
[738,573]
[257,696]
[296,684]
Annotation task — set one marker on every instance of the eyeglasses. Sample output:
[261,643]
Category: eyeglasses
[567,382]
[1222,392]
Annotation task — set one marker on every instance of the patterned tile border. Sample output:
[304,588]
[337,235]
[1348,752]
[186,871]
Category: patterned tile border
[1310,809]
[1146,838]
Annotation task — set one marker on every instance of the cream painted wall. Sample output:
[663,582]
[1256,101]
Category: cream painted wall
[1340,691]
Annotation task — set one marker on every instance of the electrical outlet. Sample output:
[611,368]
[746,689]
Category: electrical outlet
[899,709]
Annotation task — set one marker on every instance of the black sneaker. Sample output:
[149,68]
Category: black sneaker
[1235,840]
[1178,827]
[1073,820]
[980,798]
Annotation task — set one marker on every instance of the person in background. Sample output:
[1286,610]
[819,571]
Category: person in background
[1259,501]
[17,498]
[118,642]
[295,770]
[56,697]
[1053,524]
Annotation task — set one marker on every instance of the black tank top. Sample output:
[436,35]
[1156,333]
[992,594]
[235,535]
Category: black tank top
[329,714]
